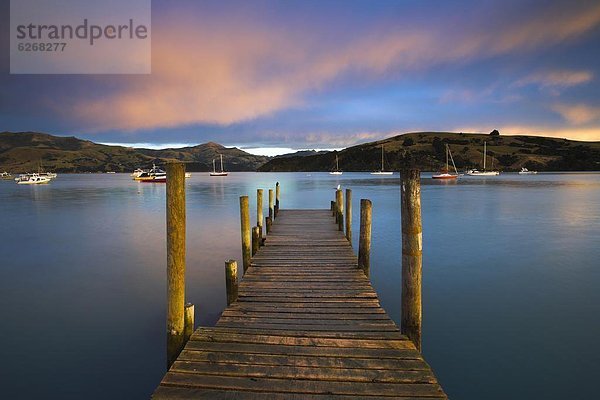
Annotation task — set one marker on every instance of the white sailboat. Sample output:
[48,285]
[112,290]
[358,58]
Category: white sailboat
[218,173]
[382,171]
[446,174]
[336,171]
[476,172]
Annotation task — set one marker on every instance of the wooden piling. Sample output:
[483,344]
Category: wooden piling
[255,240]
[271,203]
[269,224]
[189,322]
[339,199]
[349,215]
[364,243]
[245,228]
[175,260]
[412,251]
[259,213]
[277,197]
[231,281]
[332,208]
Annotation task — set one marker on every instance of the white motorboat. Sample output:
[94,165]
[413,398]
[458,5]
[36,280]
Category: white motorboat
[336,171]
[476,172]
[525,171]
[5,175]
[382,171]
[154,175]
[188,174]
[32,179]
[218,173]
[446,173]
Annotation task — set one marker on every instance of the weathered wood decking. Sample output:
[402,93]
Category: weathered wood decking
[307,325]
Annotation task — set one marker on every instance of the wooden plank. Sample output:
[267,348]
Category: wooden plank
[307,325]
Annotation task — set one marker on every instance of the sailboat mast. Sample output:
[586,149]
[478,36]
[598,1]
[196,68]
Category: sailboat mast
[221,162]
[381,158]
[447,169]
[214,168]
[484,154]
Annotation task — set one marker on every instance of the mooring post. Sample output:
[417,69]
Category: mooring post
[245,222]
[175,260]
[189,322]
[255,240]
[269,224]
[277,197]
[339,199]
[231,281]
[259,213]
[271,204]
[412,252]
[349,215]
[332,208]
[364,243]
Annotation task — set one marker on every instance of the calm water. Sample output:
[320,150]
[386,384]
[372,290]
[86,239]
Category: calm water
[511,278]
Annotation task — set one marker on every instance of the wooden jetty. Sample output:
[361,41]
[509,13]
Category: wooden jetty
[306,324]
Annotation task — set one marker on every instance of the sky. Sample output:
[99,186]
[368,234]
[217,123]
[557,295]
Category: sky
[274,76]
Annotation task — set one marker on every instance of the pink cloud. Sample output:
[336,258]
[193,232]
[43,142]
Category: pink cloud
[212,72]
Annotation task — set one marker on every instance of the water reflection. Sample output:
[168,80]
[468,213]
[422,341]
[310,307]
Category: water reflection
[503,257]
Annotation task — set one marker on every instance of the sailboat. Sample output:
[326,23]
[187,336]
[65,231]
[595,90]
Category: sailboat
[336,171]
[446,173]
[382,171]
[475,172]
[218,173]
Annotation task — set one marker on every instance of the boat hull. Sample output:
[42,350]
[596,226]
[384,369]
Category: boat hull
[335,173]
[382,173]
[219,173]
[445,176]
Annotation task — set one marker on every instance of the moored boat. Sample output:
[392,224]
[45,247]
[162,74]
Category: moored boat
[218,173]
[154,175]
[32,179]
[5,175]
[476,172]
[336,171]
[525,171]
[137,172]
[446,173]
[382,171]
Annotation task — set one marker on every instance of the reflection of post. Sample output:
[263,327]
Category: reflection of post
[175,260]
[364,242]
[231,281]
[245,222]
[412,252]
[259,213]
[349,215]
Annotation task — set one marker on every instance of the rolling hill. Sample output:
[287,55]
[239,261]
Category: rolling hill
[25,151]
[426,150]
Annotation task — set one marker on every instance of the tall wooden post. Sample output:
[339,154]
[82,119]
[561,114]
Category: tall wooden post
[231,281]
[339,199]
[255,240]
[277,197]
[175,260]
[271,204]
[259,213]
[349,215]
[245,222]
[189,322]
[364,243]
[412,251]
